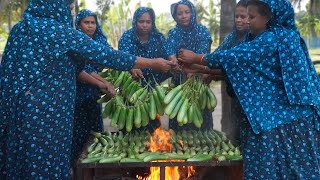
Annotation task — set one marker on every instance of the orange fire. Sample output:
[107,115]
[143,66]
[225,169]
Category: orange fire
[160,141]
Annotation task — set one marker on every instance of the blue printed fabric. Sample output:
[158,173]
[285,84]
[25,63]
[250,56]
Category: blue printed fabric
[87,114]
[155,47]
[38,90]
[231,126]
[268,66]
[98,36]
[278,89]
[195,37]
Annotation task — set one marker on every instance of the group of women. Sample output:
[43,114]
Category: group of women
[45,114]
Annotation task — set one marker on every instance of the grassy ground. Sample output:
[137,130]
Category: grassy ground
[315,56]
[2,44]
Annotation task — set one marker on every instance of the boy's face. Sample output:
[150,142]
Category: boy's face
[257,22]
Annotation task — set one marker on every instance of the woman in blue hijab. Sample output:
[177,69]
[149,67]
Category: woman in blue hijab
[188,34]
[87,115]
[38,89]
[144,40]
[240,30]
[278,88]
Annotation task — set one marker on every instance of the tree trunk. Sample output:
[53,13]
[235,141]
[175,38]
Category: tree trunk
[227,17]
[76,3]
[314,11]
[3,4]
[104,10]
[315,8]
[10,17]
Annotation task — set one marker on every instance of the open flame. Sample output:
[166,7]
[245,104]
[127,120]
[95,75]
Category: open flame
[160,142]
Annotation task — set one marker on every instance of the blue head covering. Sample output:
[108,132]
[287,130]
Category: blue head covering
[58,10]
[193,20]
[272,74]
[139,12]
[195,37]
[133,31]
[297,68]
[45,41]
[130,37]
[98,36]
[235,37]
[155,47]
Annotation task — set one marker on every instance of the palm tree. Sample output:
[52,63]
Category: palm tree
[313,11]
[209,16]
[103,6]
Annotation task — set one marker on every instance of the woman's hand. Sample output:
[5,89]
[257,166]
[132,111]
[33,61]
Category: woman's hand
[177,67]
[107,88]
[158,64]
[136,74]
[188,57]
[161,64]
[191,68]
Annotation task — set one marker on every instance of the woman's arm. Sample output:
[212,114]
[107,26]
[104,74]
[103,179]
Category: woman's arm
[96,80]
[243,53]
[85,48]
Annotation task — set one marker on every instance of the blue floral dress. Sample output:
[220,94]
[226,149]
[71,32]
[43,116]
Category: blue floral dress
[196,38]
[155,47]
[231,126]
[87,114]
[279,91]
[38,90]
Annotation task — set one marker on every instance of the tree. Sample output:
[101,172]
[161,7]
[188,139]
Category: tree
[117,20]
[12,11]
[227,17]
[208,16]
[307,25]
[103,6]
[313,13]
[3,5]
[164,23]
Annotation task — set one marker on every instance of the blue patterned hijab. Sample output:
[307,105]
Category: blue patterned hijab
[155,47]
[44,42]
[154,34]
[272,74]
[195,37]
[139,12]
[98,36]
[130,41]
[297,68]
[235,37]
[58,10]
